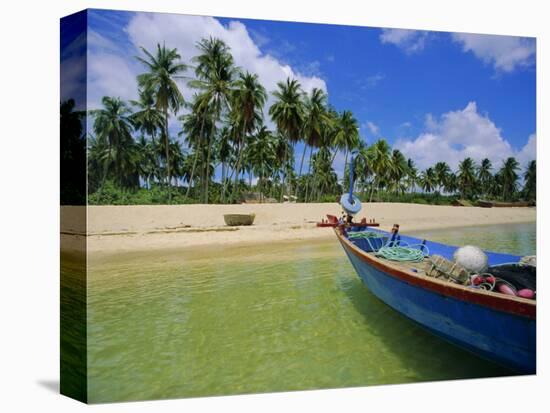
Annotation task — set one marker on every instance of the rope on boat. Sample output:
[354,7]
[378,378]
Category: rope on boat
[402,254]
[363,234]
[393,250]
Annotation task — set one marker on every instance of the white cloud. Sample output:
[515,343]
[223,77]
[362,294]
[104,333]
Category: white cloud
[528,152]
[410,41]
[460,134]
[113,72]
[371,81]
[505,53]
[183,32]
[373,128]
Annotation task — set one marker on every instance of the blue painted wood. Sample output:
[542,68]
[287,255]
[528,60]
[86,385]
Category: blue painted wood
[499,336]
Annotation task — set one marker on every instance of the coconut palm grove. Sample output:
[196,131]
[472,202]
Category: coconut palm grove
[238,140]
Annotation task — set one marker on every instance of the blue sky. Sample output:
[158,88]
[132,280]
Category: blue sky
[434,95]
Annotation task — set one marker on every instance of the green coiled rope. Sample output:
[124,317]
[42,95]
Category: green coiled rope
[393,250]
[400,253]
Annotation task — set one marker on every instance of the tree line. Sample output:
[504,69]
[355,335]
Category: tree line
[131,152]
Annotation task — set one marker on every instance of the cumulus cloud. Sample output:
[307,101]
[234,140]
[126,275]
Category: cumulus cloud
[529,151]
[113,72]
[460,134]
[505,53]
[410,41]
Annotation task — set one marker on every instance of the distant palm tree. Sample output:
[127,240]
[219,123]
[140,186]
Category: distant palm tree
[428,180]
[147,119]
[215,75]
[196,125]
[113,147]
[509,177]
[380,155]
[485,176]
[147,165]
[397,170]
[442,171]
[164,69]
[530,176]
[288,113]
[467,181]
[347,133]
[363,165]
[412,174]
[225,152]
[262,155]
[452,183]
[248,102]
[315,123]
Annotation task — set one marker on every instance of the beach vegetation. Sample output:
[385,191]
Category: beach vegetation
[234,140]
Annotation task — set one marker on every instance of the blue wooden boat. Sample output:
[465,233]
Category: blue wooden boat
[497,327]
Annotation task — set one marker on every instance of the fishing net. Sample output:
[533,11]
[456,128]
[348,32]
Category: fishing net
[440,267]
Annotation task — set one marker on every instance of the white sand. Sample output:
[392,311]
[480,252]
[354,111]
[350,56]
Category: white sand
[134,228]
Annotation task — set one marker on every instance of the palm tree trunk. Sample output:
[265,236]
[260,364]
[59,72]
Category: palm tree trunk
[333,157]
[192,173]
[284,174]
[223,183]
[302,161]
[372,188]
[167,152]
[207,170]
[239,160]
[308,172]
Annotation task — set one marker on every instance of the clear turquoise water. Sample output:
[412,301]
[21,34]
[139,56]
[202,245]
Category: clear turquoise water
[287,316]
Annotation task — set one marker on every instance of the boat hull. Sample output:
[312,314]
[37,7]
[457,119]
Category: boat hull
[500,336]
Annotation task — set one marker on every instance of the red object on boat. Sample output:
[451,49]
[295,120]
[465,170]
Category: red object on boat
[505,289]
[526,293]
[332,221]
[490,279]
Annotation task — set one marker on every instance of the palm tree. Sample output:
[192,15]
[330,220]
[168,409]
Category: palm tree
[397,170]
[380,155]
[412,174]
[509,177]
[428,180]
[363,165]
[288,113]
[261,155]
[315,123]
[164,68]
[484,176]
[452,183]
[530,176]
[224,154]
[347,133]
[195,123]
[215,72]
[113,147]
[467,182]
[442,171]
[147,119]
[248,102]
[147,165]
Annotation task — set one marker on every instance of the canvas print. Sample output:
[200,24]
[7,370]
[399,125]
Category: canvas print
[253,206]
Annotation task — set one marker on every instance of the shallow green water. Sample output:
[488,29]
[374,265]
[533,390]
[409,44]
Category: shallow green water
[266,318]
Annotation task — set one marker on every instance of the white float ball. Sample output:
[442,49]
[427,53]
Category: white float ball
[472,258]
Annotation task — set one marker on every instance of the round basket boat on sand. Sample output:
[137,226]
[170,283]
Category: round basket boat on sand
[239,219]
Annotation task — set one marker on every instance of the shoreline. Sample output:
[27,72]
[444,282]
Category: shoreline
[117,229]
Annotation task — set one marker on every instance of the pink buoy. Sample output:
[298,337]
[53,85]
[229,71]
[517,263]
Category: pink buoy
[505,289]
[526,293]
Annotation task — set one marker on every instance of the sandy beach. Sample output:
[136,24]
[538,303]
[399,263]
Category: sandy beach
[135,228]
